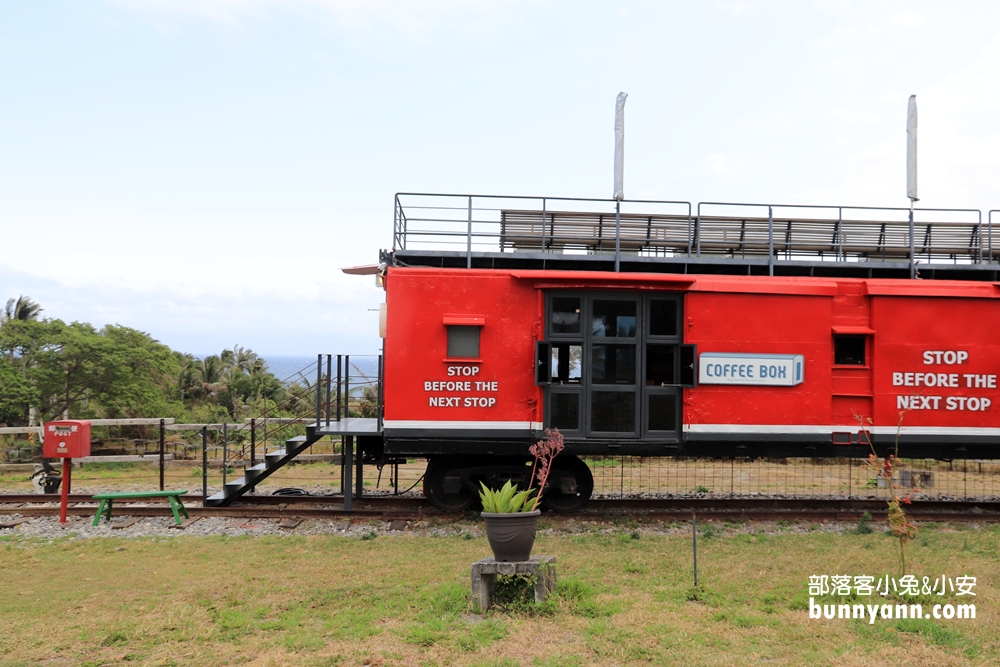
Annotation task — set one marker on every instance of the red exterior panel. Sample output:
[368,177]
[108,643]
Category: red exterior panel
[930,349]
[421,303]
[951,349]
[767,324]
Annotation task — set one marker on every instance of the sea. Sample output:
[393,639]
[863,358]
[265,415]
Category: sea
[290,368]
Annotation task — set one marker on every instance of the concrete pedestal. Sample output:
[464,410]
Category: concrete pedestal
[485,571]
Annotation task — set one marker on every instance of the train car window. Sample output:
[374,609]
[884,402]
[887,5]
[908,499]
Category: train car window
[662,412]
[566,363]
[661,366]
[463,341]
[564,411]
[612,364]
[662,317]
[543,351]
[566,315]
[849,350]
[613,319]
[688,365]
[612,411]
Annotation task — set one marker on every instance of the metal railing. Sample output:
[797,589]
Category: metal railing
[768,234]
[338,391]
[333,392]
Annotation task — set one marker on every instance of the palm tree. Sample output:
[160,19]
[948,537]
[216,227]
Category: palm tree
[187,380]
[22,308]
[241,358]
[211,370]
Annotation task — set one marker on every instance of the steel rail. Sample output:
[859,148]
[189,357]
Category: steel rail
[759,509]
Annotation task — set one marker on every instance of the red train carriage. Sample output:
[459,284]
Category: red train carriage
[655,331]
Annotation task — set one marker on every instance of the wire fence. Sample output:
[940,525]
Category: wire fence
[320,472]
[625,476]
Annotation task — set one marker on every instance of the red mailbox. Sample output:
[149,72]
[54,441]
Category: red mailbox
[66,439]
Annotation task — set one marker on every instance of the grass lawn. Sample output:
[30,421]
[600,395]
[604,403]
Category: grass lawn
[137,476]
[624,597]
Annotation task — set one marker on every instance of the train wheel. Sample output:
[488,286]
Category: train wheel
[446,495]
[570,485]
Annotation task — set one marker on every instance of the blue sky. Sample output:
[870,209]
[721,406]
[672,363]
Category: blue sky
[200,169]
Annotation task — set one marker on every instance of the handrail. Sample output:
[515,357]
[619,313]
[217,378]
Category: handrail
[772,233]
[990,235]
[331,394]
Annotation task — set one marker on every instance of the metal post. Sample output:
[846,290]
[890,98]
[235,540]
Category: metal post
[319,381]
[979,229]
[359,473]
[67,468]
[347,386]
[378,414]
[204,465]
[225,451]
[621,480]
[989,222]
[338,386]
[329,377]
[347,472]
[770,241]
[253,442]
[162,446]
[840,235]
[468,247]
[543,224]
[694,543]
[618,234]
[697,233]
[913,266]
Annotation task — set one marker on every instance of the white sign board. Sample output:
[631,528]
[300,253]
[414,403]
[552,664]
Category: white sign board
[773,370]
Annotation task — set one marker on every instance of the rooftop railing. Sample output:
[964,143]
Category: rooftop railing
[766,233]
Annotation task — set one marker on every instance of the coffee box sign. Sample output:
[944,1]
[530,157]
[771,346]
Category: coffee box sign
[773,370]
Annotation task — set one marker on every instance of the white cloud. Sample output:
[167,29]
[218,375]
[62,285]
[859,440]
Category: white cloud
[909,19]
[413,21]
[336,318]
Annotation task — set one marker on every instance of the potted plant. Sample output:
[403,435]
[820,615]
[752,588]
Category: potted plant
[511,516]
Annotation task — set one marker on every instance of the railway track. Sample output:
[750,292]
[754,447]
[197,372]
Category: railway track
[639,509]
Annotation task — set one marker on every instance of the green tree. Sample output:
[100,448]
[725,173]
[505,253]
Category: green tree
[16,395]
[73,368]
[118,372]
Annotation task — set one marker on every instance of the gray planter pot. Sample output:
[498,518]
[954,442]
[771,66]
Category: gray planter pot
[512,535]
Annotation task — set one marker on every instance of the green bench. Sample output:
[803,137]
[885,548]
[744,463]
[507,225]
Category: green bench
[108,499]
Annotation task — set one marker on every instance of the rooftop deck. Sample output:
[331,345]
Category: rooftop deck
[475,231]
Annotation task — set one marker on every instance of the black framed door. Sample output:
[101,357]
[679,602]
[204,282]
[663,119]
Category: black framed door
[614,365]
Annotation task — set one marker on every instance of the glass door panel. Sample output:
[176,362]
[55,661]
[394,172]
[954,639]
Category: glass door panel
[614,318]
[612,411]
[663,317]
[662,411]
[564,410]
[565,316]
[661,365]
[612,364]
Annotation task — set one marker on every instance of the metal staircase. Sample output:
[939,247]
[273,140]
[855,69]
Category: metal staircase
[272,462]
[333,418]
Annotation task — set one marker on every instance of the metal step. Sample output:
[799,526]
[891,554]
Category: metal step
[231,487]
[254,474]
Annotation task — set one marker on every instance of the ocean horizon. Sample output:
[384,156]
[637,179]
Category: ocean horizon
[289,368]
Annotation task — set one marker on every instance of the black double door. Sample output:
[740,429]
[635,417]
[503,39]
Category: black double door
[615,365]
